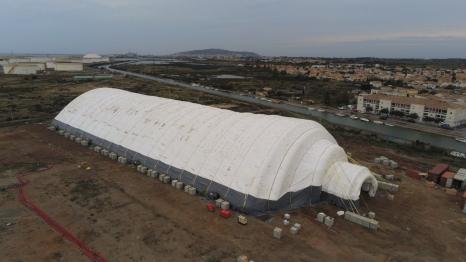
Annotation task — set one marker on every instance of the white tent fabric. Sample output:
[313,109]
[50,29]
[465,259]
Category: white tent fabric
[264,156]
[345,180]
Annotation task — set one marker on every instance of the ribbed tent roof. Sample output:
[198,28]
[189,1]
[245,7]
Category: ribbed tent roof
[264,156]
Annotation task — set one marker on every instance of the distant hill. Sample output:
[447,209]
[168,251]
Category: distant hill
[212,52]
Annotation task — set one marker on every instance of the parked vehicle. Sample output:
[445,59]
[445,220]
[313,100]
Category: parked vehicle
[364,119]
[354,117]
[445,126]
[461,139]
[378,122]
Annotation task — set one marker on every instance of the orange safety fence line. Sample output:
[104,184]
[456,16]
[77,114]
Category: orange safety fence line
[23,198]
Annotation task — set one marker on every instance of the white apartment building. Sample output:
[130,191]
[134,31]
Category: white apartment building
[450,113]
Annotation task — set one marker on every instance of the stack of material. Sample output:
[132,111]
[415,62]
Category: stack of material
[435,173]
[84,142]
[242,220]
[104,152]
[77,140]
[459,180]
[363,221]
[447,179]
[386,162]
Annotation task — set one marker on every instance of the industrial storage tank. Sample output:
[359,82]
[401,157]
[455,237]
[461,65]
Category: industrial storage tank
[257,162]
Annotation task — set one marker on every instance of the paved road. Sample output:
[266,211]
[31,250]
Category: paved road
[393,133]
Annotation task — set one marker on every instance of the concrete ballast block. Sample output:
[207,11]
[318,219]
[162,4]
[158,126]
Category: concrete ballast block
[320,217]
[179,185]
[166,179]
[143,170]
[363,221]
[218,203]
[225,205]
[277,233]
[329,221]
[113,156]
[192,191]
[390,187]
[161,176]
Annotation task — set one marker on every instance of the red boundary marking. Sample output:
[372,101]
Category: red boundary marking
[23,198]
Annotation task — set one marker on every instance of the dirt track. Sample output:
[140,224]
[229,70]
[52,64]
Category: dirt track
[129,217]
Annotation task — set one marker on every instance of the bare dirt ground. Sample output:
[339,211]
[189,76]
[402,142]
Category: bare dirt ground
[129,217]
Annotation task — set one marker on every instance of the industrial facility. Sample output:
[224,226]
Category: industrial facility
[257,162]
[34,65]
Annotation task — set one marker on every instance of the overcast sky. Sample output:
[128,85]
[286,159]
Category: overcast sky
[335,28]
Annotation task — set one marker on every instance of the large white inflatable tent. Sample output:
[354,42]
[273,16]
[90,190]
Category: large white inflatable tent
[257,162]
